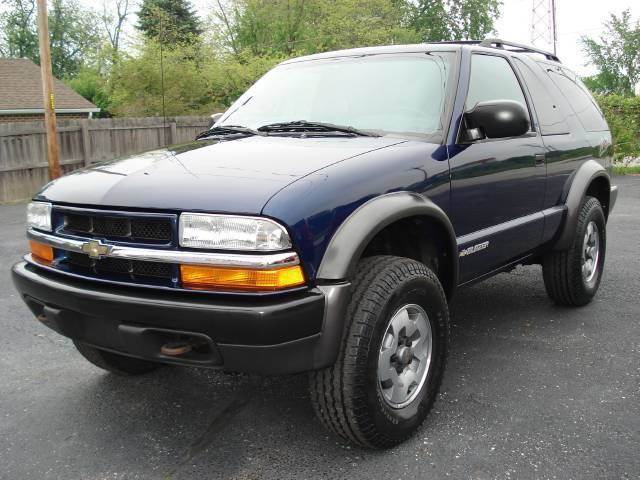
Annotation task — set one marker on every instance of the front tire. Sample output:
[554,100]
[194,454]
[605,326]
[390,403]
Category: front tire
[114,363]
[392,356]
[572,276]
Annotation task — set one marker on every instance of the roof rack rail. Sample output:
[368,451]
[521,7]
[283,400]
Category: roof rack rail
[498,43]
[455,42]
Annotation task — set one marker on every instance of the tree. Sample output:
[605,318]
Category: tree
[173,21]
[74,35]
[616,55]
[139,87]
[437,20]
[305,26]
[113,21]
[224,17]
[473,19]
[428,18]
[18,33]
[359,23]
[285,27]
[91,85]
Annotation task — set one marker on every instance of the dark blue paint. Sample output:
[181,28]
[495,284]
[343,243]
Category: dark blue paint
[315,206]
[491,190]
[231,176]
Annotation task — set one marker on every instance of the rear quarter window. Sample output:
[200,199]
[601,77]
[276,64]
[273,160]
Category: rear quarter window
[550,116]
[578,97]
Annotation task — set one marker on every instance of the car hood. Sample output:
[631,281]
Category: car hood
[237,176]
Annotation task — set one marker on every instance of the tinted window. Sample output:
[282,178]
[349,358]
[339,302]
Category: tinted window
[550,116]
[579,97]
[492,78]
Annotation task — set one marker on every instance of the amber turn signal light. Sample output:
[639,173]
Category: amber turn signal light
[204,277]
[41,252]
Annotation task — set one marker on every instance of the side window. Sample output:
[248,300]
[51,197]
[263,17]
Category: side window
[550,116]
[579,98]
[492,78]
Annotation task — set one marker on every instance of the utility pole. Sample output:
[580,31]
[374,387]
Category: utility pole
[543,24]
[47,92]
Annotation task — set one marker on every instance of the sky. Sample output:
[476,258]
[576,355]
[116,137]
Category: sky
[574,18]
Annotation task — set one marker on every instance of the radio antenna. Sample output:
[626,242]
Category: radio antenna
[164,115]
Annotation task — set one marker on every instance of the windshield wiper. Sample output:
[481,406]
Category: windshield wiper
[223,130]
[315,127]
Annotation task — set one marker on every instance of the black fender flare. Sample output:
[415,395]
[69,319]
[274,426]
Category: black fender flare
[573,197]
[358,229]
[345,249]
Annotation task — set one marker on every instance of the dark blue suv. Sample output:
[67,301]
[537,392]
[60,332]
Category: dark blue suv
[324,222]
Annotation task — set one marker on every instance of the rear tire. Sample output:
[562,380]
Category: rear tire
[397,321]
[572,276]
[115,363]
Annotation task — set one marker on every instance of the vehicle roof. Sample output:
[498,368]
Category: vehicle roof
[412,48]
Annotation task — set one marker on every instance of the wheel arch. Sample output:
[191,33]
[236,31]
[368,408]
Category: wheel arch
[355,234]
[590,179]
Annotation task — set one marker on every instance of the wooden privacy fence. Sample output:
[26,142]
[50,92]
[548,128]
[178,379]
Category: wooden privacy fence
[23,146]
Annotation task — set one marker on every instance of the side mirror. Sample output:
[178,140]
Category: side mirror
[496,119]
[214,118]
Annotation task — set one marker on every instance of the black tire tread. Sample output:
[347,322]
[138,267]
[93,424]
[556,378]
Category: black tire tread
[334,390]
[560,269]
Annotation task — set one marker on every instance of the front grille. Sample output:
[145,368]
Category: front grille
[125,269]
[120,228]
[146,230]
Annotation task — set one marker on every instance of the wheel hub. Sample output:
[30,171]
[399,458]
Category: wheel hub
[590,253]
[405,356]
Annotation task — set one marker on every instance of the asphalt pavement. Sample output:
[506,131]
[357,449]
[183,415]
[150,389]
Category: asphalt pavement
[531,391]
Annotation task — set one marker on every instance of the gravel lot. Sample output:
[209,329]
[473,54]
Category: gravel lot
[531,391]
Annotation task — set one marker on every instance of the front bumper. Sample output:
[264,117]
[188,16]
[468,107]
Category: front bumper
[274,334]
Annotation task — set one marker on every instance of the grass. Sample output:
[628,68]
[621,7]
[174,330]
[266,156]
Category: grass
[622,170]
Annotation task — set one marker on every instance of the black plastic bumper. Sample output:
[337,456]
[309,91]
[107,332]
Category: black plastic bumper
[269,335]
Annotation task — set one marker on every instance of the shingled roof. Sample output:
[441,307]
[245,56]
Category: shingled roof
[21,90]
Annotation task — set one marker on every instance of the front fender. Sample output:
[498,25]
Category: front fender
[354,234]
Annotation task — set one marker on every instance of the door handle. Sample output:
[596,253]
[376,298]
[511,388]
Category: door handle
[540,158]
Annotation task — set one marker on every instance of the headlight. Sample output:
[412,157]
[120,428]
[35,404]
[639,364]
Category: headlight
[39,216]
[232,233]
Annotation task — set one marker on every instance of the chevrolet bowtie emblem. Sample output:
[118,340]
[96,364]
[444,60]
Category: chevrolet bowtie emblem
[95,249]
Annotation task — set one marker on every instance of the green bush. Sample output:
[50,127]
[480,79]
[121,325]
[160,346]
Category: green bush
[195,81]
[623,116]
[90,84]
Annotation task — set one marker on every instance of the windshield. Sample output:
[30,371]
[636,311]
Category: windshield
[401,93]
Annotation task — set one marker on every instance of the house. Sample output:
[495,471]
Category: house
[21,94]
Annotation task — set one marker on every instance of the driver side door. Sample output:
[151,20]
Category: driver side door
[497,184]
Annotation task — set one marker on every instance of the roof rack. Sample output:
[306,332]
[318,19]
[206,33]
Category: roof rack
[498,43]
[501,44]
[455,42]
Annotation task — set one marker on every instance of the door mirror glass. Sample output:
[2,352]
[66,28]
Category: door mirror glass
[496,119]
